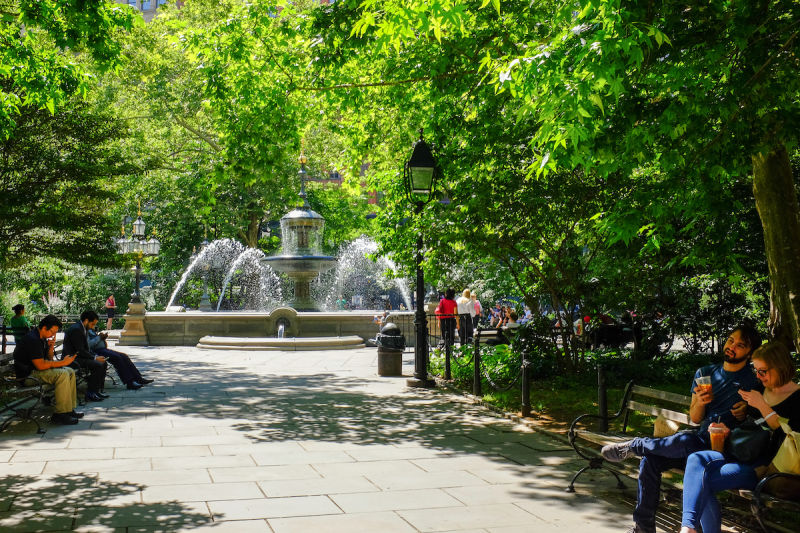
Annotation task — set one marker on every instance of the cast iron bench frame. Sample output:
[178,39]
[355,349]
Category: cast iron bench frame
[19,401]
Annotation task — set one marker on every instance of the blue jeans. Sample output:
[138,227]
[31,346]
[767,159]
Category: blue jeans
[706,474]
[659,455]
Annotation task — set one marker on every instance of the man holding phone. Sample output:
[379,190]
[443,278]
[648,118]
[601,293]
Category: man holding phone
[718,402]
[34,357]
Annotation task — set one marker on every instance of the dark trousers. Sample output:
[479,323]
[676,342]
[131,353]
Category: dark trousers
[448,326]
[465,328]
[122,363]
[96,371]
[659,455]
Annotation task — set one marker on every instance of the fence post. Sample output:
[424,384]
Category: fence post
[476,377]
[448,350]
[3,327]
[602,399]
[526,385]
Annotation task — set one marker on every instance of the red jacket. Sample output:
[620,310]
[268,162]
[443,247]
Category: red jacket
[447,307]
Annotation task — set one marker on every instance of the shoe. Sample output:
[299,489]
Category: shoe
[133,385]
[65,419]
[103,395]
[144,381]
[73,414]
[636,528]
[616,453]
[93,397]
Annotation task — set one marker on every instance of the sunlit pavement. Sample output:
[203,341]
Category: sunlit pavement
[293,442]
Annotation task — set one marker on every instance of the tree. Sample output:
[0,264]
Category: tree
[679,97]
[56,173]
[38,39]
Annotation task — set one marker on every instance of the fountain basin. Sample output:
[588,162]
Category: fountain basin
[301,269]
[285,344]
[187,328]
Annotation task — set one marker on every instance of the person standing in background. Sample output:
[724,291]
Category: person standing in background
[111,307]
[476,316]
[465,317]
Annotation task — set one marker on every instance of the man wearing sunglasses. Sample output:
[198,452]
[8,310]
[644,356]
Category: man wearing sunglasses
[719,403]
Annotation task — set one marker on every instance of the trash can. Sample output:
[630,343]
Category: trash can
[391,344]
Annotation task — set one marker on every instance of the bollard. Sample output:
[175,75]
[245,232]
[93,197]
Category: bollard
[476,378]
[526,385]
[602,399]
[448,351]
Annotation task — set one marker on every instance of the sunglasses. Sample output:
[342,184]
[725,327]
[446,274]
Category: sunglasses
[760,371]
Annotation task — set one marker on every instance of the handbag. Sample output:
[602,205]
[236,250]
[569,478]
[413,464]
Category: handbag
[786,461]
[748,442]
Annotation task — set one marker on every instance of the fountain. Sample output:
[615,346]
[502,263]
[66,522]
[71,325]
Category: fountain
[266,323]
[301,261]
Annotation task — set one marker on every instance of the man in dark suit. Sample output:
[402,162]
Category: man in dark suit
[76,342]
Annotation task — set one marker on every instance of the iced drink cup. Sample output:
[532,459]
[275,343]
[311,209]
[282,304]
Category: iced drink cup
[717,435]
[704,382]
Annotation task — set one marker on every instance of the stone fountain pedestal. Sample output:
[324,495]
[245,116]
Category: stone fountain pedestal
[134,333]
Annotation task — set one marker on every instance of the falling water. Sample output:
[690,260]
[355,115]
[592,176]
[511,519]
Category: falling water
[360,277]
[263,285]
[216,255]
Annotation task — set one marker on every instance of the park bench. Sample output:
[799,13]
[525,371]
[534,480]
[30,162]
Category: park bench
[19,400]
[661,405]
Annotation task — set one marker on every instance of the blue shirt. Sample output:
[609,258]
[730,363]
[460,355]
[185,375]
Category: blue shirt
[725,387]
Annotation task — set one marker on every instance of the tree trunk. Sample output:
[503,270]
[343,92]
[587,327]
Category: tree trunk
[253,228]
[776,201]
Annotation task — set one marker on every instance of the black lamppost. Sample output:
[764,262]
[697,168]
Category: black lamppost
[420,175]
[138,246]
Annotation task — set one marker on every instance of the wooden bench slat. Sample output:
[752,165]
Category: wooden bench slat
[662,395]
[681,418]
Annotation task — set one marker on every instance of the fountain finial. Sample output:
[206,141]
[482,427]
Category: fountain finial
[303,176]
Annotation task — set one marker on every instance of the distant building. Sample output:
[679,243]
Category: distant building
[148,8]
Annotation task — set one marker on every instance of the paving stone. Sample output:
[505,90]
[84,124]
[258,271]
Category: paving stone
[166,516]
[232,526]
[202,492]
[211,461]
[256,448]
[272,508]
[301,457]
[480,516]
[156,477]
[394,500]
[21,469]
[317,486]
[347,523]
[35,520]
[162,451]
[417,479]
[97,465]
[262,473]
[65,454]
[5,455]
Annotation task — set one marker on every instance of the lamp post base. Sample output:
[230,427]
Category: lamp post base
[134,334]
[421,383]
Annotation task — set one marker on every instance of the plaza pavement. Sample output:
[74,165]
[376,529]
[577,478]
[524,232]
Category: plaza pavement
[293,442]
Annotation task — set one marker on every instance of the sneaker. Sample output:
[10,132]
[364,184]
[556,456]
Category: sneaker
[616,453]
[65,419]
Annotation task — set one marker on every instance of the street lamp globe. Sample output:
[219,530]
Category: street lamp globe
[420,170]
[138,227]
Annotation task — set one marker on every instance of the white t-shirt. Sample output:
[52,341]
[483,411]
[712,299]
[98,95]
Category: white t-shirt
[464,305]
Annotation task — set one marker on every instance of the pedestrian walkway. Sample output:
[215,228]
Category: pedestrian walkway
[293,443]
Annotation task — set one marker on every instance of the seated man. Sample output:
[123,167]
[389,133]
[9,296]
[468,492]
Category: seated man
[127,371]
[721,402]
[76,342]
[33,357]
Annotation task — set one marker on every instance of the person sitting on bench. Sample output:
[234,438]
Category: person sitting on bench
[76,342]
[506,334]
[720,403]
[19,323]
[33,356]
[127,371]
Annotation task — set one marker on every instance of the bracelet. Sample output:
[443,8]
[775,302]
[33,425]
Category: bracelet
[772,413]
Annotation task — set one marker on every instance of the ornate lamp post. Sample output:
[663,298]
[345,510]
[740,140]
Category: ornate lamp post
[419,175]
[139,246]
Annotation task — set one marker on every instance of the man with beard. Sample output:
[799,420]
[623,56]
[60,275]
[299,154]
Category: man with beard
[720,403]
